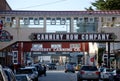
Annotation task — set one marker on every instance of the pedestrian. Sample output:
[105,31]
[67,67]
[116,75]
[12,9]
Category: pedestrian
[44,70]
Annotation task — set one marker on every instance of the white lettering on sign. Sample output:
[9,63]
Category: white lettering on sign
[72,37]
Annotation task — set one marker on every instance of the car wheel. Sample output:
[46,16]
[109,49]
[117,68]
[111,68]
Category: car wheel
[79,79]
[96,80]
[73,71]
[65,71]
[36,79]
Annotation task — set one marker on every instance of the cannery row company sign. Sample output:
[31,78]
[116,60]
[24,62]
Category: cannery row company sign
[72,37]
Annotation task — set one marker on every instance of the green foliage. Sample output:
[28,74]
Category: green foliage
[106,4]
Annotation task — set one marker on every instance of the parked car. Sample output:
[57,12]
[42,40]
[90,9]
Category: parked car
[107,73]
[117,77]
[31,71]
[69,68]
[88,72]
[10,74]
[39,68]
[51,66]
[22,77]
[3,76]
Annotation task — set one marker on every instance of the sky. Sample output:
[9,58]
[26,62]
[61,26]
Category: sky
[50,5]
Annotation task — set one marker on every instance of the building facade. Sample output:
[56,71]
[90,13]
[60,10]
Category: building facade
[38,33]
[4,5]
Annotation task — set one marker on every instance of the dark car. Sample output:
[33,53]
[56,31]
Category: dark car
[69,67]
[117,76]
[39,68]
[10,74]
[51,66]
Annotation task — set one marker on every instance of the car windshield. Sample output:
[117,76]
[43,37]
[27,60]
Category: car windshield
[26,71]
[109,70]
[89,68]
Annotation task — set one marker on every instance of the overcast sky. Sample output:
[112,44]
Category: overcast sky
[59,5]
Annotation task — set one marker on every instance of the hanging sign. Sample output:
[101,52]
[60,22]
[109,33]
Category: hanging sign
[72,36]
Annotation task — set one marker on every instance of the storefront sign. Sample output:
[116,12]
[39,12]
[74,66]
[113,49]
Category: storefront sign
[5,36]
[56,49]
[72,36]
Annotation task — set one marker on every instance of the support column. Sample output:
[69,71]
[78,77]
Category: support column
[108,54]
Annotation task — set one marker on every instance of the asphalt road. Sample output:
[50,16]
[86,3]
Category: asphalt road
[58,76]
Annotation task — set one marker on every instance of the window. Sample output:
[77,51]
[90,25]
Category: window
[91,20]
[62,22]
[26,21]
[53,21]
[109,19]
[15,57]
[37,46]
[81,20]
[8,19]
[74,45]
[36,21]
[56,46]
[86,19]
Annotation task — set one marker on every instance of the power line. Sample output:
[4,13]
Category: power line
[50,3]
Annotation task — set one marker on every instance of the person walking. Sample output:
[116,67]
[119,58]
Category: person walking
[44,70]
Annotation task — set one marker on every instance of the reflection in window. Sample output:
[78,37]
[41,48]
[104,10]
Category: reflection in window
[89,25]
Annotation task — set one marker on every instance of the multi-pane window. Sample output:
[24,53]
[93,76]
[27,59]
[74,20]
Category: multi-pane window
[32,22]
[15,57]
[85,24]
[58,24]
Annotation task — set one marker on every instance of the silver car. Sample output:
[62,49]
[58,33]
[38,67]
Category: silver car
[22,77]
[88,72]
[31,71]
[10,74]
[3,76]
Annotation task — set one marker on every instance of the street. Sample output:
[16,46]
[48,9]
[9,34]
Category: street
[55,75]
[58,76]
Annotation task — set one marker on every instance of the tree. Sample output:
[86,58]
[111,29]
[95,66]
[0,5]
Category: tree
[106,4]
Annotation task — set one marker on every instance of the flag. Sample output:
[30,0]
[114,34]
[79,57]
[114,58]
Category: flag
[1,24]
